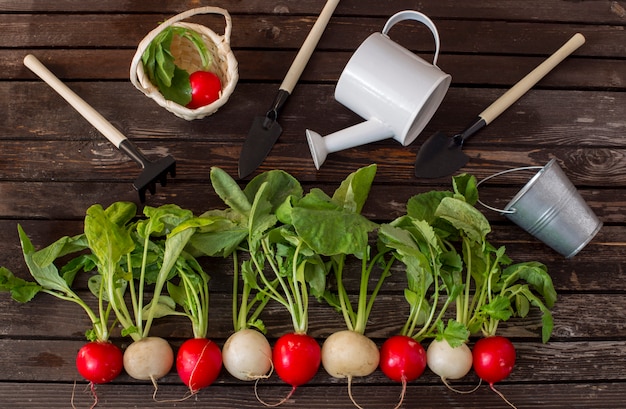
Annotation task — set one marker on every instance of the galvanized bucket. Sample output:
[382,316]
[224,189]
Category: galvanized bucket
[551,209]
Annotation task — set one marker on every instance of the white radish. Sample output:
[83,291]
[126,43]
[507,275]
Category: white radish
[448,362]
[346,354]
[247,355]
[149,358]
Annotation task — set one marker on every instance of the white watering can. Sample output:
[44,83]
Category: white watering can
[394,90]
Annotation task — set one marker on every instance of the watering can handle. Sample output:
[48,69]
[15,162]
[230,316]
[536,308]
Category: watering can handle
[417,16]
[303,56]
[532,78]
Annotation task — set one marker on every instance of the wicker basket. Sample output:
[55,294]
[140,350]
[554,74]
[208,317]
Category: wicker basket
[186,57]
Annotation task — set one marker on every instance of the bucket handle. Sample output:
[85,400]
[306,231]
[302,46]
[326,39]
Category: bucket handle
[495,209]
[417,16]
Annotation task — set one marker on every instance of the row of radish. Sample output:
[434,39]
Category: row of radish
[286,246]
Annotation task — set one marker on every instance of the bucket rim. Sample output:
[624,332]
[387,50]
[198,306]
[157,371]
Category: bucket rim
[509,209]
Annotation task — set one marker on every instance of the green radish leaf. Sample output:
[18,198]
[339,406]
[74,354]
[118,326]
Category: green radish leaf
[47,276]
[279,186]
[20,289]
[261,216]
[465,186]
[219,238]
[164,307]
[354,190]
[230,192]
[108,241]
[547,321]
[424,205]
[330,229]
[522,305]
[537,276]
[499,308]
[464,217]
[454,332]
[179,88]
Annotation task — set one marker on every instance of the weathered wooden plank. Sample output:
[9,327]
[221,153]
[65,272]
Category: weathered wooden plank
[561,11]
[326,66]
[52,395]
[586,315]
[585,118]
[277,32]
[66,163]
[70,200]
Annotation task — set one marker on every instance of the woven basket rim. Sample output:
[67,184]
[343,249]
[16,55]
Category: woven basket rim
[225,55]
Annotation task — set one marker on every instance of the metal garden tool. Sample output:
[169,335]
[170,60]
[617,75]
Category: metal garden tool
[441,155]
[152,171]
[265,130]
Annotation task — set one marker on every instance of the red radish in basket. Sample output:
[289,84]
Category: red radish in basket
[205,88]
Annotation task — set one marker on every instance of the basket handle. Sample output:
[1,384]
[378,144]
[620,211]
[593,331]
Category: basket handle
[143,45]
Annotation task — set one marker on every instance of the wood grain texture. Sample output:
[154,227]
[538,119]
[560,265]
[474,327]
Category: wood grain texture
[54,165]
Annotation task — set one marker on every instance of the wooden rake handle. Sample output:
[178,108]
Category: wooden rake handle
[79,104]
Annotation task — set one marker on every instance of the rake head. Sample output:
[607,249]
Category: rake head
[152,171]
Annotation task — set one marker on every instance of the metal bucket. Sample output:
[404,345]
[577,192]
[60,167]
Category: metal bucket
[550,208]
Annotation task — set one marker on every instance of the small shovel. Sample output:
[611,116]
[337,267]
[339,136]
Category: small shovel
[441,155]
[265,130]
[152,171]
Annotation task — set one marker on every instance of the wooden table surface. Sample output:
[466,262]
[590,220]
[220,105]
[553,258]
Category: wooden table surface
[54,165]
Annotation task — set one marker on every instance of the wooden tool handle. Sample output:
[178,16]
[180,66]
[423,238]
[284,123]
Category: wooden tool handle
[526,83]
[302,58]
[79,104]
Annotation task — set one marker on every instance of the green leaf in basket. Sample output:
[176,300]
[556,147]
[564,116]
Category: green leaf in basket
[158,62]
[196,39]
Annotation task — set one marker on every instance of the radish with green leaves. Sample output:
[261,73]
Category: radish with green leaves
[334,227]
[199,359]
[131,257]
[429,265]
[251,213]
[491,288]
[98,361]
[280,267]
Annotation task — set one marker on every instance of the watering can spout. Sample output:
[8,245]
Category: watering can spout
[369,131]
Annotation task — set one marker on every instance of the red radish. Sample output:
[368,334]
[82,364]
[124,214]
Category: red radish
[205,88]
[247,355]
[150,358]
[99,361]
[296,358]
[198,363]
[494,358]
[402,358]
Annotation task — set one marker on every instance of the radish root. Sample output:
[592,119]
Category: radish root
[266,376]
[350,393]
[92,389]
[445,382]
[272,405]
[500,394]
[402,394]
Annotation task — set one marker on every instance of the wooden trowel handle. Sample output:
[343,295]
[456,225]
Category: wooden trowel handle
[79,104]
[302,58]
[526,83]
